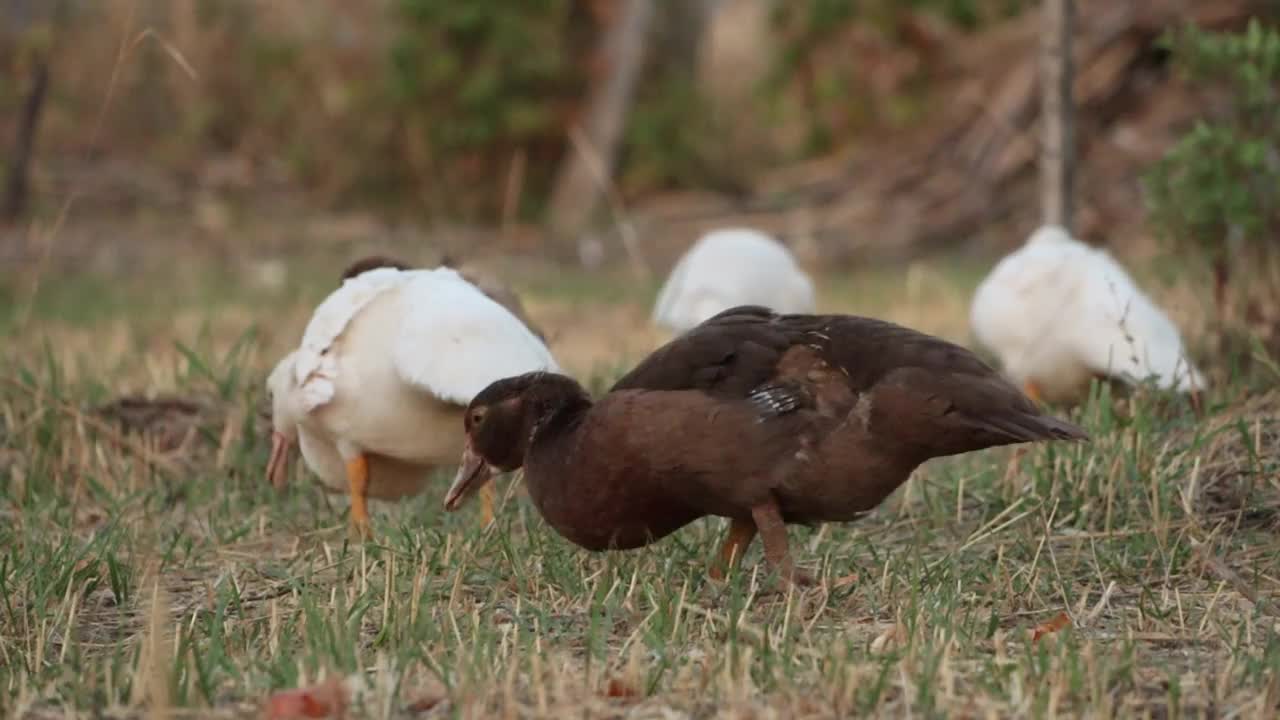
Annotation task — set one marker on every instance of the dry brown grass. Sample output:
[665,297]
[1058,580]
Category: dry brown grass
[146,568]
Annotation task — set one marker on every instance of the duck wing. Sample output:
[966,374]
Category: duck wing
[454,340]
[933,396]
[731,353]
[316,366]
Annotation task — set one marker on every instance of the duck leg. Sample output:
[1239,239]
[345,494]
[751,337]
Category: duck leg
[358,480]
[773,532]
[741,533]
[1032,390]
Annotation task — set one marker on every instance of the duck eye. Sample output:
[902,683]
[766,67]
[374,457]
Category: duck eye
[477,416]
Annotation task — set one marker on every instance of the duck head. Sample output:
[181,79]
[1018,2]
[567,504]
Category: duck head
[285,413]
[502,422]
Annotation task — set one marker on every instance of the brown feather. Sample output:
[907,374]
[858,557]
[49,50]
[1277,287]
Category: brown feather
[820,416]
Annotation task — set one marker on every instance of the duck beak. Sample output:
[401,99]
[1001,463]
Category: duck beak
[472,476]
[278,464]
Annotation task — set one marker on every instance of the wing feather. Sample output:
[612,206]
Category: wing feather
[454,340]
[315,369]
[1120,332]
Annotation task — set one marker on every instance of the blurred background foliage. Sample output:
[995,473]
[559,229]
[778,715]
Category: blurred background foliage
[461,111]
[1216,194]
[427,102]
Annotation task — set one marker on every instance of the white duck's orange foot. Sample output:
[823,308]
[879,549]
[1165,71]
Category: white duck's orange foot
[358,480]
[1032,390]
[360,529]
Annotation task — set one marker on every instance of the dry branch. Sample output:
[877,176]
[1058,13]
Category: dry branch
[1057,161]
[16,183]
[577,190]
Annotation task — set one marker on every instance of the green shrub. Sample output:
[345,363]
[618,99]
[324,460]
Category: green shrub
[815,57]
[482,80]
[1216,192]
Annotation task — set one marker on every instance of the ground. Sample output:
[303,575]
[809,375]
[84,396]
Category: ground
[146,564]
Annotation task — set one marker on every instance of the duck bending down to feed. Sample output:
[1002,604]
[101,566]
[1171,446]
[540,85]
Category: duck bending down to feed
[1058,313]
[374,395]
[727,268]
[762,418]
[488,284]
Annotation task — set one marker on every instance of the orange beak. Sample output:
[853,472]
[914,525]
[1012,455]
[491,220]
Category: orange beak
[278,464]
[472,475]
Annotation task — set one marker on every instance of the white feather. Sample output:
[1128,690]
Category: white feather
[732,267]
[315,368]
[451,339]
[1056,311]
[455,340]
[384,370]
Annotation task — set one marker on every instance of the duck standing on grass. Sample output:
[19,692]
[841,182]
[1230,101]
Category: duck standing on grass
[374,394]
[487,283]
[763,418]
[1059,313]
[727,268]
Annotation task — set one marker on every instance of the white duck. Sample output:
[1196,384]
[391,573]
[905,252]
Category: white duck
[374,395]
[1057,313]
[731,267]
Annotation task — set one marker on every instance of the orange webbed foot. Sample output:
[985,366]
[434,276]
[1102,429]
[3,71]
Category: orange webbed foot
[741,533]
[358,480]
[1032,390]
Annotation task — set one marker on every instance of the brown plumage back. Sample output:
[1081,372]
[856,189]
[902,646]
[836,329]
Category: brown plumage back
[372,262]
[930,396]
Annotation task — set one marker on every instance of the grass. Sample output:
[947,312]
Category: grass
[147,567]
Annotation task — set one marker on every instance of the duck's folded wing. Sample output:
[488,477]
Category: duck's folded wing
[315,367]
[930,393]
[732,353]
[1120,333]
[454,340]
[943,414]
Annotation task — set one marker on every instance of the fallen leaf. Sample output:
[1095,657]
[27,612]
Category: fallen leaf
[619,688]
[1058,622]
[849,579]
[431,694]
[326,699]
[424,703]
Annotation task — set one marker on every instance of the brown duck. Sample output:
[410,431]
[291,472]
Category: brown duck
[762,418]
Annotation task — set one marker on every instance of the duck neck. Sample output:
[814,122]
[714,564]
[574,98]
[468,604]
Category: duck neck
[550,433]
[556,416]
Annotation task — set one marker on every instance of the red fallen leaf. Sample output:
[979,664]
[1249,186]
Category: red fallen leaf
[325,699]
[430,693]
[846,580]
[1053,625]
[425,703]
[619,688]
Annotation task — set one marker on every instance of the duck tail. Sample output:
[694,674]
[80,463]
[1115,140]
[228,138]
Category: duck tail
[1055,429]
[1022,427]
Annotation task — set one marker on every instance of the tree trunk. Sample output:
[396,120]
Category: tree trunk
[589,165]
[1057,153]
[15,190]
